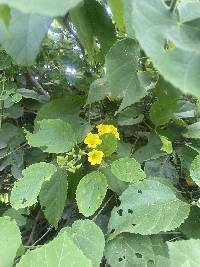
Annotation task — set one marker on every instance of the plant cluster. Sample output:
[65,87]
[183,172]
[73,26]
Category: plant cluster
[99,133]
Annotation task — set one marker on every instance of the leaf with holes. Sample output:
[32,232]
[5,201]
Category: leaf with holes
[25,190]
[127,170]
[129,250]
[88,237]
[148,207]
[90,192]
[172,42]
[10,241]
[184,253]
[53,195]
[53,136]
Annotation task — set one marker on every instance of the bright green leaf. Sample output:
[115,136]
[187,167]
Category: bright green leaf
[5,14]
[53,195]
[167,145]
[10,241]
[184,253]
[25,190]
[52,9]
[127,170]
[148,207]
[60,252]
[129,250]
[117,7]
[108,145]
[54,136]
[156,27]
[90,193]
[88,237]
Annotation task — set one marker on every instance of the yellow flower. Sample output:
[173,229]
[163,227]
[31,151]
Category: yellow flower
[92,140]
[104,129]
[95,157]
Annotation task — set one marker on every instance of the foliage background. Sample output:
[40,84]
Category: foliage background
[66,67]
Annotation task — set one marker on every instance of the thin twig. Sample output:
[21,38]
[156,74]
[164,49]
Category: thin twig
[11,152]
[37,84]
[2,112]
[37,241]
[70,30]
[30,240]
[102,208]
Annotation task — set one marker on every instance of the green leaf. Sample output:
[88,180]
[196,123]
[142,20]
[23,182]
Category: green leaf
[90,193]
[7,89]
[99,90]
[172,42]
[152,150]
[163,109]
[191,227]
[53,195]
[129,250]
[25,190]
[129,116]
[195,170]
[127,170]
[5,14]
[161,167]
[88,237]
[16,215]
[121,71]
[117,7]
[10,241]
[148,207]
[184,253]
[167,145]
[108,145]
[192,131]
[60,252]
[54,136]
[66,109]
[19,41]
[5,61]
[114,184]
[92,23]
[44,7]
[160,250]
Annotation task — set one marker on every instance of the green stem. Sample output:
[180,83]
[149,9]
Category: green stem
[173,5]
[2,111]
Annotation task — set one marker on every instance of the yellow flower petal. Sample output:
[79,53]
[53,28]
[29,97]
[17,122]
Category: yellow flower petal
[92,140]
[104,129]
[95,157]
